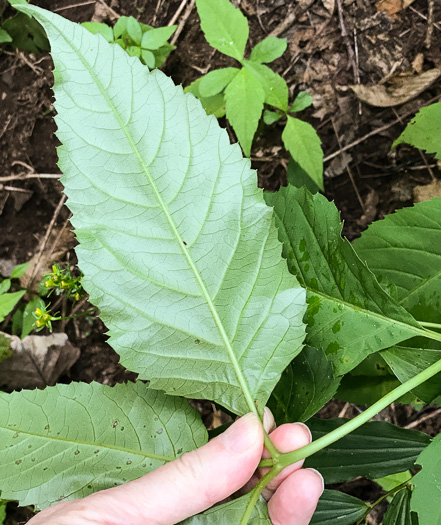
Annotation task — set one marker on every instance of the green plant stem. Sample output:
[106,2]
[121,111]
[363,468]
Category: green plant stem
[257,491]
[430,334]
[350,426]
[78,315]
[381,498]
[430,325]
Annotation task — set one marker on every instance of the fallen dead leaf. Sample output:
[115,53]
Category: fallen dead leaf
[392,7]
[418,62]
[427,192]
[329,5]
[36,361]
[401,89]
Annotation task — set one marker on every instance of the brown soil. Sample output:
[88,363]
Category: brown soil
[366,182]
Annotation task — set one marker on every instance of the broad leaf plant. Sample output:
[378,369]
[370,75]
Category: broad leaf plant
[182,256]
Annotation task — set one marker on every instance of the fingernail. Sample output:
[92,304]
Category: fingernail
[242,434]
[307,430]
[319,475]
[268,420]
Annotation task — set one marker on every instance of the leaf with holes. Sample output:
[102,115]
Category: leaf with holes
[56,448]
[178,248]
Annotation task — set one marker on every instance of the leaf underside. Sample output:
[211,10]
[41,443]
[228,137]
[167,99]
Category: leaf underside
[349,315]
[337,507]
[68,441]
[178,249]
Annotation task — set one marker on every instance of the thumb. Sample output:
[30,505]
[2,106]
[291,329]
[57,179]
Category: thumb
[190,484]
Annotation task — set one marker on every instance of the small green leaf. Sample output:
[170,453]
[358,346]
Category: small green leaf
[398,512]
[162,53]
[134,51]
[298,177]
[374,450]
[424,130]
[305,386]
[120,28]
[148,58]
[4,286]
[426,497]
[5,37]
[343,295]
[99,28]
[8,302]
[269,117]
[3,503]
[224,26]
[231,513]
[69,441]
[28,318]
[269,49]
[157,37]
[5,345]
[19,270]
[244,97]
[301,102]
[216,81]
[336,507]
[302,141]
[213,105]
[134,30]
[388,483]
[276,89]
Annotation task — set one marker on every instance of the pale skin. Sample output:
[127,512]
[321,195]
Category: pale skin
[200,479]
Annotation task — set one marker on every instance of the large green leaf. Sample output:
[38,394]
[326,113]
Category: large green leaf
[399,512]
[424,130]
[405,249]
[336,507]
[426,498]
[244,97]
[349,314]
[68,441]
[305,386]
[224,26]
[304,145]
[231,513]
[374,450]
[178,249]
[406,362]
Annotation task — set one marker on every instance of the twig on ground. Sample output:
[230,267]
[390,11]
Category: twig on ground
[430,23]
[109,9]
[424,17]
[348,169]
[343,411]
[345,36]
[182,22]
[5,126]
[13,188]
[46,238]
[284,25]
[157,8]
[178,12]
[30,176]
[423,418]
[72,6]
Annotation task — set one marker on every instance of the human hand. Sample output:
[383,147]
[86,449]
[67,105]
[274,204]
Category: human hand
[200,479]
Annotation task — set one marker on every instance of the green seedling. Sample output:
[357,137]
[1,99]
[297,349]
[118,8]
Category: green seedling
[148,43]
[242,93]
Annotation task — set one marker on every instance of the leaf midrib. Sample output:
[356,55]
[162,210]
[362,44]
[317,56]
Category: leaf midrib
[211,306]
[90,444]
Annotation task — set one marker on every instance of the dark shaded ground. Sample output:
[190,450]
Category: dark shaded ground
[316,61]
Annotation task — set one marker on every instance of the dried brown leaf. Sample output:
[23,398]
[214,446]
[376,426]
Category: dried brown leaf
[400,90]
